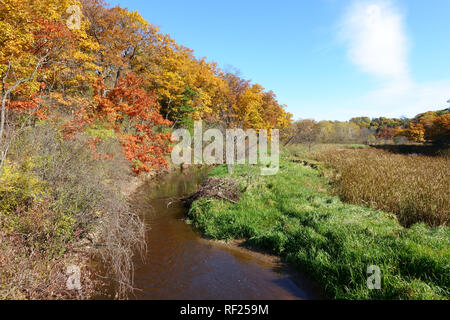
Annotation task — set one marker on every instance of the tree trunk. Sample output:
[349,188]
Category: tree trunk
[2,119]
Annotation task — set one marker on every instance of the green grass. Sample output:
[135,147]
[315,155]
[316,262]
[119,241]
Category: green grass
[357,146]
[293,215]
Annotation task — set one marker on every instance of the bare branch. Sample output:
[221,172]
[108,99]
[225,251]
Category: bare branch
[6,94]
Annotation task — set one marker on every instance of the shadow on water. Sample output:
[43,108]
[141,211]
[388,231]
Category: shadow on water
[181,265]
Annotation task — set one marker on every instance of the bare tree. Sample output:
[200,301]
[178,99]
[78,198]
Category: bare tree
[304,131]
[5,94]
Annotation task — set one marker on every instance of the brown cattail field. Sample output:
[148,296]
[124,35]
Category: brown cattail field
[414,187]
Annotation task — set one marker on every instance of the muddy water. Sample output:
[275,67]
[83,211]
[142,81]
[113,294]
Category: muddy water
[181,265]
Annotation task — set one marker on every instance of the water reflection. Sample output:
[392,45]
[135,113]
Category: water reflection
[182,265]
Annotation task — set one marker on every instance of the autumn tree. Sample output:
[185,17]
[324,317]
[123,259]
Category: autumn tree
[304,131]
[43,62]
[437,129]
[247,105]
[134,114]
[385,133]
[273,113]
[118,34]
[362,122]
[432,126]
[415,132]
[34,38]
[188,89]
[234,90]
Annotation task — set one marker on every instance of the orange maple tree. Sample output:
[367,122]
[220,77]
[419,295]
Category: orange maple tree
[438,128]
[134,114]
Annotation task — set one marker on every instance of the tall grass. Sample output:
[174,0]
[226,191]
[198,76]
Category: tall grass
[293,215]
[416,188]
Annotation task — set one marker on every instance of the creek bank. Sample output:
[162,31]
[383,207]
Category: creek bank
[229,190]
[216,188]
[181,264]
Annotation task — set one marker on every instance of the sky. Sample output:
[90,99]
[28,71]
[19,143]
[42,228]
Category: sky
[325,59]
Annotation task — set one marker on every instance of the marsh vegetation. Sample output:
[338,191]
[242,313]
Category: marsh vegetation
[302,215]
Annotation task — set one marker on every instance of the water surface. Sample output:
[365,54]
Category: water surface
[180,264]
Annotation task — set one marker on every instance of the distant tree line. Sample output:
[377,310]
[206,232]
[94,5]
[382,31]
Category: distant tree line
[432,126]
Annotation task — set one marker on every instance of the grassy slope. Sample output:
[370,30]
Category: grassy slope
[293,215]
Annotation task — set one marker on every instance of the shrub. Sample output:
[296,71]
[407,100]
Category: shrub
[19,187]
[56,196]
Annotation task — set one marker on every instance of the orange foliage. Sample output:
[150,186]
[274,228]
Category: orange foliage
[433,128]
[438,128]
[415,132]
[386,133]
[34,105]
[134,114]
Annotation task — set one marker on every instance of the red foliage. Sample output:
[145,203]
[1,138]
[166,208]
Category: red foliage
[386,133]
[92,145]
[51,36]
[134,114]
[33,105]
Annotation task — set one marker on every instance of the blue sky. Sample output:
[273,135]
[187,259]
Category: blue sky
[325,59]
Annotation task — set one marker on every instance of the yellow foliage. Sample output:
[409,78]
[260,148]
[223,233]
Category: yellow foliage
[19,187]
[20,22]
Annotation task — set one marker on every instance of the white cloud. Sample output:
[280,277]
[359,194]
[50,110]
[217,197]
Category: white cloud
[374,33]
[408,99]
[376,39]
